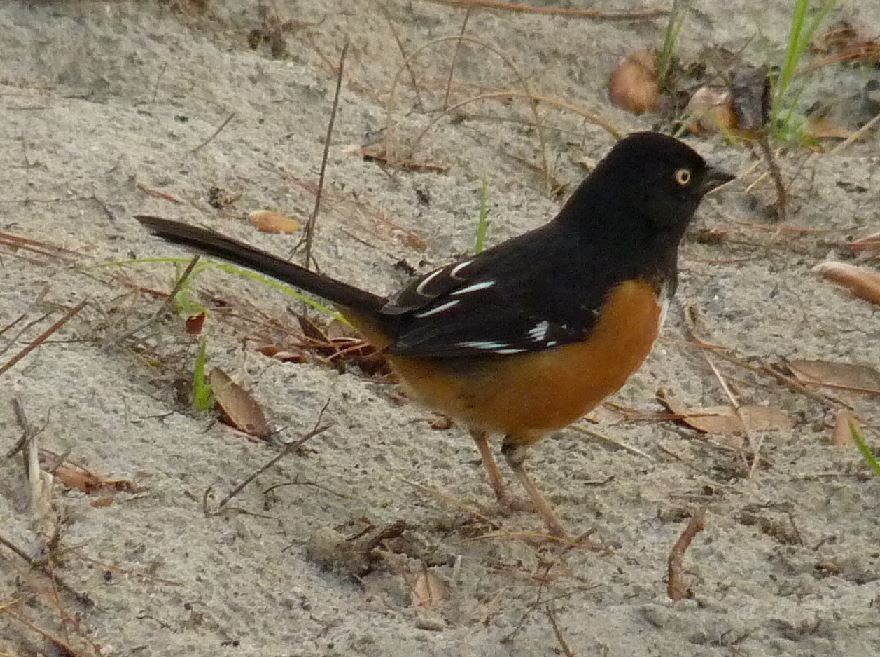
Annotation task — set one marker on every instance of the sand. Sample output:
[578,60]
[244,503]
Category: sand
[110,109]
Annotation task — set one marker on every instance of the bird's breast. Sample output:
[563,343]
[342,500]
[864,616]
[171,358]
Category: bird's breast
[528,395]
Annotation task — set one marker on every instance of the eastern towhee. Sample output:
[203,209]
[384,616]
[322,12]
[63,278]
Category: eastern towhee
[526,337]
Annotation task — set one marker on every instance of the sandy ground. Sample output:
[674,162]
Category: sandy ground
[101,101]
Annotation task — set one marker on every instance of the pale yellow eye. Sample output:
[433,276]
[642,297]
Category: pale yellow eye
[683,177]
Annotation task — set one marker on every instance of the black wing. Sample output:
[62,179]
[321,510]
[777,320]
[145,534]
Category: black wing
[503,301]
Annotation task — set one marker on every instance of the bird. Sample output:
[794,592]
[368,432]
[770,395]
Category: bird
[528,336]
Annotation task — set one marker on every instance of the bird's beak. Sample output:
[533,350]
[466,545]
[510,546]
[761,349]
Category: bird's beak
[713,179]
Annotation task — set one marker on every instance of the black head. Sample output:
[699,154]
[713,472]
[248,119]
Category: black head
[648,183]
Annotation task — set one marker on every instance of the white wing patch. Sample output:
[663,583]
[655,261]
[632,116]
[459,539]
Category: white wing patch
[454,273]
[438,309]
[497,347]
[473,288]
[539,331]
[487,346]
[420,289]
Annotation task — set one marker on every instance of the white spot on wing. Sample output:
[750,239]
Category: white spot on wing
[487,346]
[420,289]
[552,343]
[457,269]
[474,288]
[539,331]
[509,351]
[438,309]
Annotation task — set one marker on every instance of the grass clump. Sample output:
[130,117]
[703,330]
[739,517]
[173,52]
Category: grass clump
[786,123]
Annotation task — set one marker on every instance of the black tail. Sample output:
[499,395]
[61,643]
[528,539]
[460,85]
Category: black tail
[226,248]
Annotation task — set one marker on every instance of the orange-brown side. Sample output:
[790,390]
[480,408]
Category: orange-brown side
[528,395]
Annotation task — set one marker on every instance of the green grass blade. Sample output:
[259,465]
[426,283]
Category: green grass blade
[670,40]
[867,454]
[801,34]
[235,271]
[186,303]
[203,395]
[483,224]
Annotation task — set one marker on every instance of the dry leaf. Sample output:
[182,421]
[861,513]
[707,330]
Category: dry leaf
[633,85]
[844,43]
[239,409]
[376,153]
[750,89]
[838,36]
[428,590]
[102,502]
[836,374]
[869,244]
[725,419]
[195,323]
[283,355]
[825,128]
[88,482]
[842,436]
[862,283]
[269,221]
[710,109]
[441,422]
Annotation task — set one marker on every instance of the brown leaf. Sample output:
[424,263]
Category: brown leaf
[102,502]
[376,153]
[269,221]
[869,244]
[825,128]
[842,435]
[428,590]
[311,330]
[838,36]
[725,419]
[282,355]
[750,89]
[836,375]
[86,481]
[862,283]
[633,85]
[238,408]
[710,109]
[195,323]
[441,423]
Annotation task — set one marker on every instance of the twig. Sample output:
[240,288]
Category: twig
[647,13]
[397,40]
[168,301]
[776,175]
[62,646]
[289,447]
[158,80]
[40,339]
[551,616]
[464,23]
[214,134]
[858,134]
[42,566]
[755,445]
[392,99]
[26,430]
[547,566]
[675,586]
[611,441]
[313,219]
